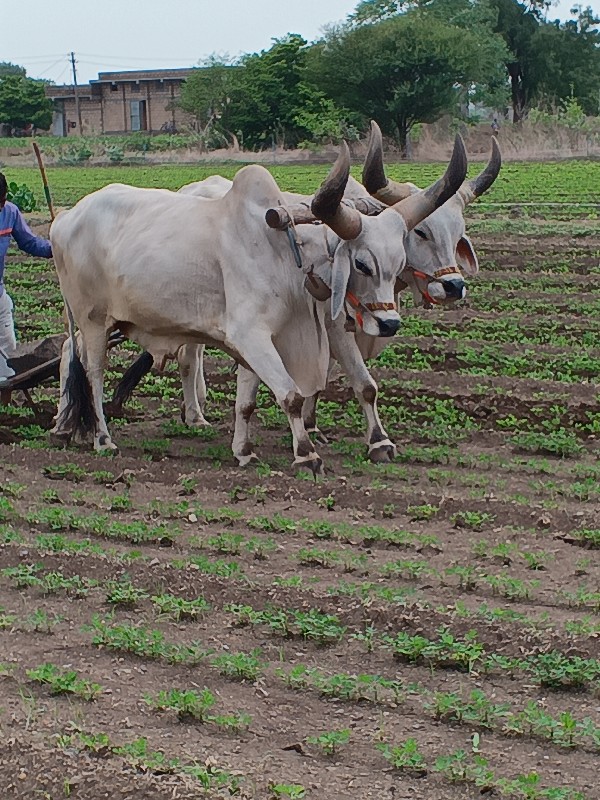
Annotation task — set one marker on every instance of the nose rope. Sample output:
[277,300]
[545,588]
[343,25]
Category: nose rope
[431,278]
[359,308]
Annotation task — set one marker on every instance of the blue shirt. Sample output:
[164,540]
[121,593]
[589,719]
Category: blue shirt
[13,224]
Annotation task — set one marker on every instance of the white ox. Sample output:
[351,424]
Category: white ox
[437,247]
[168,270]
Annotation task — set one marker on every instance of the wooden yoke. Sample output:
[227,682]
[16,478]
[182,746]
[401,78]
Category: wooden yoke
[300,214]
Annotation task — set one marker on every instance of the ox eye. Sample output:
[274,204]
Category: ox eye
[362,267]
[421,233]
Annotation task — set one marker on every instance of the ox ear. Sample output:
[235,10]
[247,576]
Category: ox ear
[340,275]
[465,256]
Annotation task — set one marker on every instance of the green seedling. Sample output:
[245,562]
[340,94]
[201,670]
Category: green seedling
[64,681]
[330,741]
[124,593]
[41,621]
[422,513]
[179,609]
[239,666]
[65,472]
[474,520]
[50,496]
[188,704]
[405,757]
[291,791]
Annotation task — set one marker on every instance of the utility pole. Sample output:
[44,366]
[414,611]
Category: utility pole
[76,93]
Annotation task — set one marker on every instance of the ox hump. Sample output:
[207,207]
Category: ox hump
[255,183]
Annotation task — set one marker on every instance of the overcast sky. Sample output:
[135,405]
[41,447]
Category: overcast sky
[146,34]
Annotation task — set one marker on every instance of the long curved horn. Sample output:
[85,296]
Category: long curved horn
[415,208]
[327,202]
[373,177]
[477,186]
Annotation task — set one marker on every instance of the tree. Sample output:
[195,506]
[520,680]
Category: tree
[406,69]
[568,65]
[7,68]
[208,93]
[269,96]
[254,98]
[518,24]
[23,102]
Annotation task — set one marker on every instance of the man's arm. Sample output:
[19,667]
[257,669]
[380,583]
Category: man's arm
[28,242]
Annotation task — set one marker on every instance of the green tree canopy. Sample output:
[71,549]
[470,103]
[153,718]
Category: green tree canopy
[7,68]
[23,102]
[568,62]
[405,69]
[262,98]
[209,92]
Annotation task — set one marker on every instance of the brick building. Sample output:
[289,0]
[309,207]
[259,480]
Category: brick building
[121,102]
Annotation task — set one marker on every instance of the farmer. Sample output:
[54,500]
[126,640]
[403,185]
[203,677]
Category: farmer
[495,127]
[12,223]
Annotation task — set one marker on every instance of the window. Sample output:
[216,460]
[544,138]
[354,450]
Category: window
[160,86]
[135,87]
[114,87]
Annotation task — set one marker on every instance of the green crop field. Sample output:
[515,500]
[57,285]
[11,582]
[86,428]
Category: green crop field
[427,628]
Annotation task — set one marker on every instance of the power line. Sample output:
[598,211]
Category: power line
[15,59]
[62,73]
[58,61]
[135,58]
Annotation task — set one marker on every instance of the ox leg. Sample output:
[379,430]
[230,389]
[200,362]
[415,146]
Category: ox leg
[260,354]
[345,349]
[190,358]
[61,434]
[309,414]
[94,361]
[245,404]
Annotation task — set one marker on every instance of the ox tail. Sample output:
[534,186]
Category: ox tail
[131,377]
[79,415]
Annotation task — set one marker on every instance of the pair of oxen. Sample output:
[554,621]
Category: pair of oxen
[282,282]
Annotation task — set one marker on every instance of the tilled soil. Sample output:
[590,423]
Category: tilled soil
[467,531]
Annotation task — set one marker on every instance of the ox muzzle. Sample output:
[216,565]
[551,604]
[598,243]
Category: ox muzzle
[445,285]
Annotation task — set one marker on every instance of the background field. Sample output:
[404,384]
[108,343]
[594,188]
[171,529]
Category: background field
[441,612]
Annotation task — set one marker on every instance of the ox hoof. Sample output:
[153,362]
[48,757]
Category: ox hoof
[193,418]
[245,461]
[317,436]
[312,462]
[104,444]
[197,422]
[382,452]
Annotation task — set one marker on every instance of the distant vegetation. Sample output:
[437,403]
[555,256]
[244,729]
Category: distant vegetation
[400,63]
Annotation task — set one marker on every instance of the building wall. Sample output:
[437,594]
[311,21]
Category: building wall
[91,116]
[107,107]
